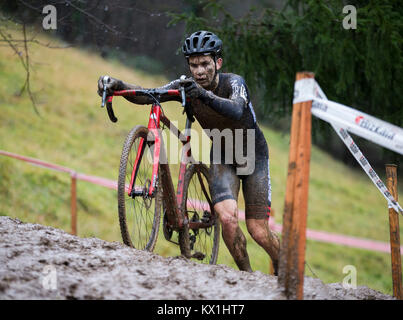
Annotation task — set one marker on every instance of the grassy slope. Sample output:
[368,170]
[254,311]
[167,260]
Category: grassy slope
[73,131]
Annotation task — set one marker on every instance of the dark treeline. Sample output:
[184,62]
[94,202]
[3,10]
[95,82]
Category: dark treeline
[134,32]
[360,66]
[265,41]
[138,33]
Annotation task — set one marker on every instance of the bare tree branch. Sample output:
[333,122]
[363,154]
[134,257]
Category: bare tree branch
[47,45]
[25,63]
[93,18]
[27,81]
[10,43]
[87,13]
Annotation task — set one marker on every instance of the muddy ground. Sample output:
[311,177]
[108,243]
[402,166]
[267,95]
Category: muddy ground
[38,262]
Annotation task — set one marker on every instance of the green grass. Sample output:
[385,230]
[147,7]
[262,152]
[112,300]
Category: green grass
[74,131]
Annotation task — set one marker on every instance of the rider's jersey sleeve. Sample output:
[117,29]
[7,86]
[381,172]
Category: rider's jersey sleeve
[232,107]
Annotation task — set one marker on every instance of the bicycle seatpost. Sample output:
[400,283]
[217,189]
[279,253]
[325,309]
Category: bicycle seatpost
[105,80]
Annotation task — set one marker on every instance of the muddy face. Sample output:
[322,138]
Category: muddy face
[203,70]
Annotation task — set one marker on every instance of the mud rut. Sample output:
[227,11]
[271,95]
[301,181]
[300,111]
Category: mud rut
[39,262]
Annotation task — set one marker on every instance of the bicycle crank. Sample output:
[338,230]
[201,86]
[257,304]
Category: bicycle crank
[167,230]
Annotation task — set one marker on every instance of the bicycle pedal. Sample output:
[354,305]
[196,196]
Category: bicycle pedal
[206,217]
[198,255]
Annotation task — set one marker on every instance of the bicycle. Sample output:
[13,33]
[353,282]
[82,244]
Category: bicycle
[145,184]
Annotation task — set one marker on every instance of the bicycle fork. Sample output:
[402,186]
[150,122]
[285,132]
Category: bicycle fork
[153,126]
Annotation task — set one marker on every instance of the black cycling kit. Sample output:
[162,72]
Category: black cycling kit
[228,107]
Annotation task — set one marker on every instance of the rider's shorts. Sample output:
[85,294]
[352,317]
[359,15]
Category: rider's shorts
[256,187]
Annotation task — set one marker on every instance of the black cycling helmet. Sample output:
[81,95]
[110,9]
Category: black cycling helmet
[202,42]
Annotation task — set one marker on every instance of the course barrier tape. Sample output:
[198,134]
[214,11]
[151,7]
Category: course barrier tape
[357,122]
[344,119]
[311,234]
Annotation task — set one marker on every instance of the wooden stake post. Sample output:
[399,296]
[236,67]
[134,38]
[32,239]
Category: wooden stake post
[391,184]
[292,252]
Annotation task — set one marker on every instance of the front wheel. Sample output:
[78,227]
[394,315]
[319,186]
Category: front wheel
[139,213]
[199,242]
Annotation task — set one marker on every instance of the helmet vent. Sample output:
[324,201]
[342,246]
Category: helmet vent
[195,40]
[205,39]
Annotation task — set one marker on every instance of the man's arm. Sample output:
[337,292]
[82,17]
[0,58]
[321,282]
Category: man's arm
[118,85]
[232,107]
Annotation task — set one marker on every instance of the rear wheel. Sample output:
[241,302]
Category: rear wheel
[139,213]
[199,243]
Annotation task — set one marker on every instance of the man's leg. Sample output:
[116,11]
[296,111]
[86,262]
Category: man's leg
[232,233]
[268,240]
[224,189]
[257,193]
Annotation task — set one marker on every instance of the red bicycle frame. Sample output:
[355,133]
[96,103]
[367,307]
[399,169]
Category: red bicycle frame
[155,118]
[175,216]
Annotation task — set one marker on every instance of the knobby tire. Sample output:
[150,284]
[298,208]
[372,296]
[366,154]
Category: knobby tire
[194,203]
[144,214]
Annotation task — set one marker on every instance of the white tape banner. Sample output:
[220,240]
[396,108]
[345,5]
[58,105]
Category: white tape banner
[356,152]
[343,119]
[357,122]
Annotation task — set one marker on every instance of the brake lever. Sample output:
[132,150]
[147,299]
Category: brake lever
[105,80]
[186,109]
[182,90]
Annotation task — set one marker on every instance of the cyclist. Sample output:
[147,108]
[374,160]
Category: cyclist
[221,101]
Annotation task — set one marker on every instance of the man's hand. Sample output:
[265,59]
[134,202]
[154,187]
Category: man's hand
[192,88]
[111,86]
